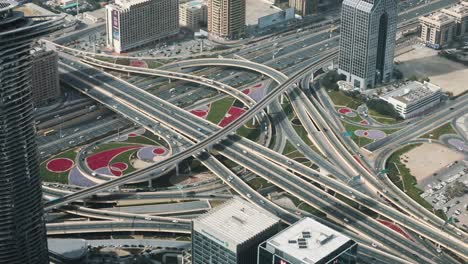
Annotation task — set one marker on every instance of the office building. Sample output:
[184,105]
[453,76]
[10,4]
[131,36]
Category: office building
[367,42]
[437,29]
[304,7]
[459,13]
[308,242]
[193,14]
[133,23]
[226,19]
[22,228]
[413,98]
[45,77]
[231,233]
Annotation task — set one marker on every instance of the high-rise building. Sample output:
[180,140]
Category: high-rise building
[304,7]
[45,78]
[193,14]
[226,18]
[231,233]
[133,23]
[22,228]
[305,242]
[367,43]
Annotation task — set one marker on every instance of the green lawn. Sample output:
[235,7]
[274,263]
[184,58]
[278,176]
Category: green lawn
[288,148]
[154,64]
[108,146]
[250,133]
[360,141]
[258,183]
[288,110]
[300,130]
[341,99]
[219,109]
[408,184]
[442,130]
[141,140]
[383,118]
[49,176]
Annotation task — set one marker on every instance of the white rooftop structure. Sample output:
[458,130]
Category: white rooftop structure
[234,222]
[413,98]
[308,241]
[412,92]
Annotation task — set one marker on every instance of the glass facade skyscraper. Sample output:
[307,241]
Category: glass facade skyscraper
[22,230]
[367,44]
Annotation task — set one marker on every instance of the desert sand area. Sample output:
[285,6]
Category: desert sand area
[428,158]
[422,61]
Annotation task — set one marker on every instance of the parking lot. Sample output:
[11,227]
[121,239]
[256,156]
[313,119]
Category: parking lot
[447,190]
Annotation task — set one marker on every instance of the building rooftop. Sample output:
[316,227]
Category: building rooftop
[234,222]
[412,91]
[459,10]
[308,241]
[438,18]
[195,4]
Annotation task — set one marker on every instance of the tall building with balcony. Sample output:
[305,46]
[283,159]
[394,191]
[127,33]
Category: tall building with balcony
[133,23]
[231,233]
[226,19]
[45,77]
[367,43]
[193,14]
[22,228]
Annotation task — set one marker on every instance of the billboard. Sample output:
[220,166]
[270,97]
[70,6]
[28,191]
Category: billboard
[115,24]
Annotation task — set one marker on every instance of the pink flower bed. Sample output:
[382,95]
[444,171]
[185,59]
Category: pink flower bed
[60,165]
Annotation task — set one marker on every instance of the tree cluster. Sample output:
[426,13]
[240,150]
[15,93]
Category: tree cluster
[329,81]
[383,108]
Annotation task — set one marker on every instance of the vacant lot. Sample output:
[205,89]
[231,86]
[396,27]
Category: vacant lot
[426,159]
[422,61]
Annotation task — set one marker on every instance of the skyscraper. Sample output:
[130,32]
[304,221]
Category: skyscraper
[226,18]
[22,228]
[368,32]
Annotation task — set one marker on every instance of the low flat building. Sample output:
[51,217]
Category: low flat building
[437,29]
[459,13]
[45,77]
[231,233]
[133,23]
[95,16]
[308,242]
[193,14]
[413,98]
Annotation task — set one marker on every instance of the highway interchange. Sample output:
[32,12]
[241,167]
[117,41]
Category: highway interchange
[194,136]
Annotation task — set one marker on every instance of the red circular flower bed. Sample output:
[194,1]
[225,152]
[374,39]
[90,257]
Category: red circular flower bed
[159,151]
[60,165]
[199,113]
[344,111]
[120,166]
